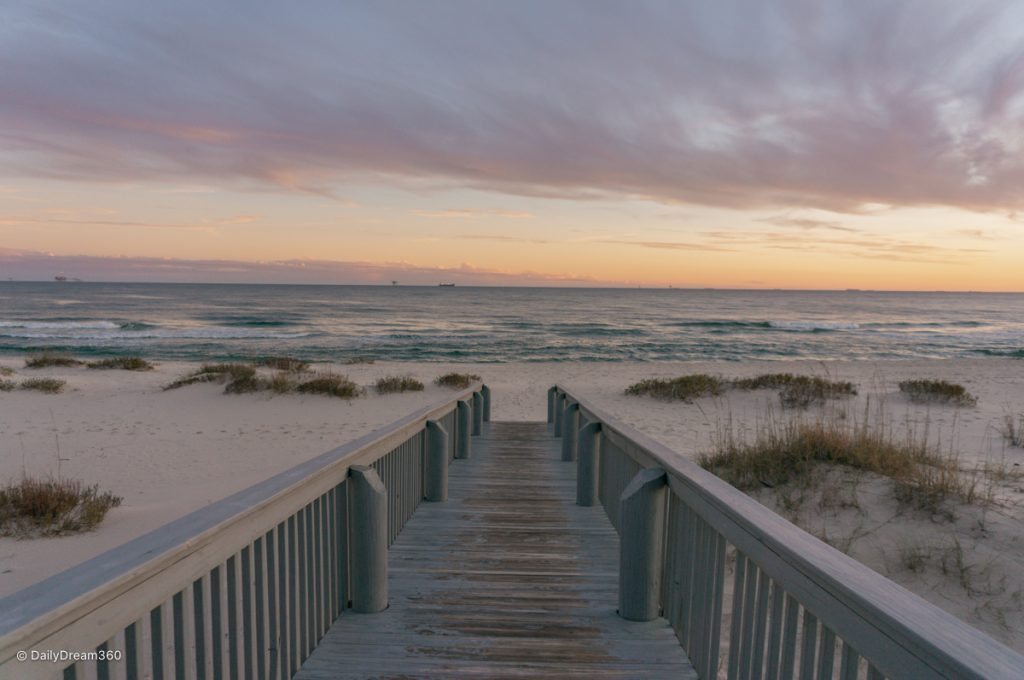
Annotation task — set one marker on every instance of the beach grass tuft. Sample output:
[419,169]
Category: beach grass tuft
[685,387]
[398,383]
[937,392]
[330,384]
[122,363]
[791,453]
[51,359]
[222,373]
[456,380]
[45,385]
[7,385]
[6,371]
[284,364]
[804,390]
[765,381]
[51,507]
[282,382]
[1013,429]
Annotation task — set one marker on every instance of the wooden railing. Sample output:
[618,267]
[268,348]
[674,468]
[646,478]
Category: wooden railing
[246,587]
[749,594]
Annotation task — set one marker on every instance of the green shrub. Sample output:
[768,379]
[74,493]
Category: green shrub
[685,387]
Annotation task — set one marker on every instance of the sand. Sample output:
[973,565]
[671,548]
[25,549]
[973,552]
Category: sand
[169,453]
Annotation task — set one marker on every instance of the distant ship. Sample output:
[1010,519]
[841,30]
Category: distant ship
[446,285]
[60,277]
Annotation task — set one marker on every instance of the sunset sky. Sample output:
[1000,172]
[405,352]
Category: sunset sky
[790,144]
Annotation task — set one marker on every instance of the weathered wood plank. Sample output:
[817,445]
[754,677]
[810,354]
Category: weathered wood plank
[509,578]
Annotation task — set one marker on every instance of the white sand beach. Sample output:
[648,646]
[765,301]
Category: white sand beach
[171,452]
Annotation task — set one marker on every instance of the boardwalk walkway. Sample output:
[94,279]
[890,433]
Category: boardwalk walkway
[508,579]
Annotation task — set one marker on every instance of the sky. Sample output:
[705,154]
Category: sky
[735,144]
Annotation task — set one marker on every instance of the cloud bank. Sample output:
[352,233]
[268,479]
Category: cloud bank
[739,103]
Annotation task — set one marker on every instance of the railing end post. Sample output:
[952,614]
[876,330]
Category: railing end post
[641,527]
[587,469]
[369,540]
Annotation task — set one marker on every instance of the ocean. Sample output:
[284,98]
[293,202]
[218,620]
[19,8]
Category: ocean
[471,324]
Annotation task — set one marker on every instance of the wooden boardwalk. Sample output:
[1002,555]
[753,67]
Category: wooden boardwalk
[508,579]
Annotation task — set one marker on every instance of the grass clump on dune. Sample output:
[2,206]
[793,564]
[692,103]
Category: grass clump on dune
[803,391]
[50,507]
[220,373]
[793,452]
[685,387]
[456,380]
[45,385]
[6,371]
[285,364]
[7,385]
[937,391]
[765,381]
[122,363]
[332,385]
[398,383]
[1013,429]
[51,359]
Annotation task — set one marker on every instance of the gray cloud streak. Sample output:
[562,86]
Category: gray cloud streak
[741,104]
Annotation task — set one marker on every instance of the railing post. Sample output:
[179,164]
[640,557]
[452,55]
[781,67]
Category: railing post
[570,429]
[642,528]
[587,474]
[464,428]
[559,407]
[369,540]
[552,391]
[478,414]
[485,392]
[435,472]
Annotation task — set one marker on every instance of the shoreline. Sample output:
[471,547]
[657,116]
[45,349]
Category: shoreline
[168,453]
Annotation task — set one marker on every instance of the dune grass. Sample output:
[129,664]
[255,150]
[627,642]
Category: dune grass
[1013,429]
[7,385]
[456,380]
[51,359]
[45,385]
[684,388]
[51,507]
[792,453]
[937,392]
[330,384]
[398,383]
[220,373]
[122,363]
[804,391]
[6,371]
[765,381]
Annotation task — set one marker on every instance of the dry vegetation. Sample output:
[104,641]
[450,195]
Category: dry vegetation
[456,380]
[1013,429]
[122,363]
[795,391]
[398,383]
[51,359]
[289,364]
[7,385]
[6,371]
[332,385]
[219,373]
[51,507]
[45,385]
[794,453]
[240,378]
[937,392]
[684,388]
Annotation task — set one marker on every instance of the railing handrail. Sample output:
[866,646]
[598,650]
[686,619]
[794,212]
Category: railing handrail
[190,543]
[858,603]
